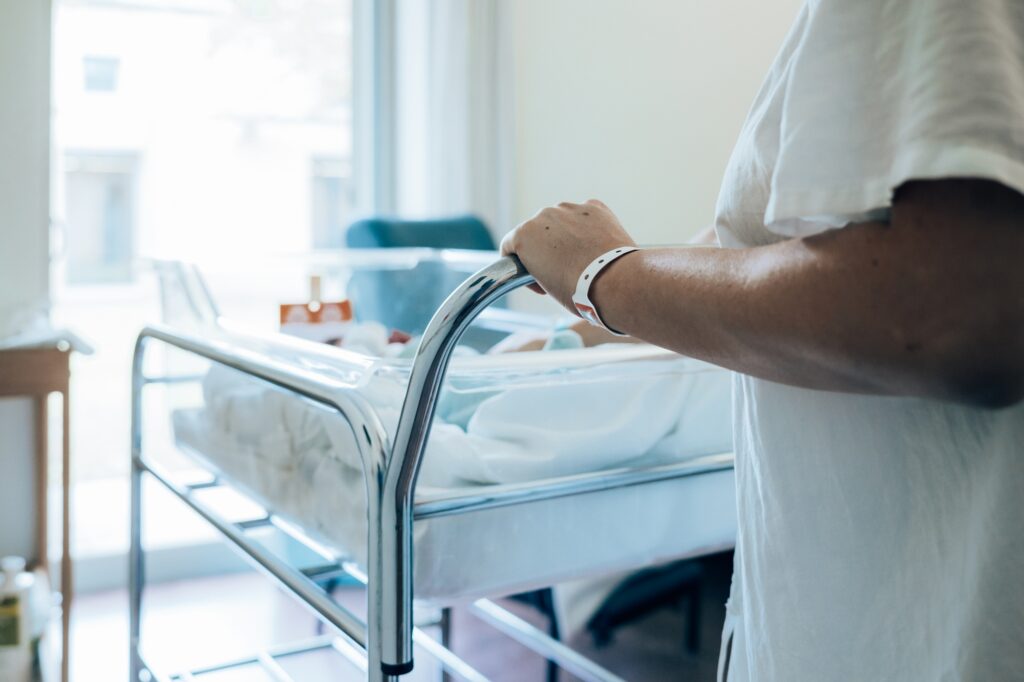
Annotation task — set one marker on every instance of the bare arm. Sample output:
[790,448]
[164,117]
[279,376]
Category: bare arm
[595,336]
[930,304]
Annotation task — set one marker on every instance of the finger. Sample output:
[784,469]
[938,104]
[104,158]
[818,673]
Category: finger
[598,203]
[508,244]
[537,289]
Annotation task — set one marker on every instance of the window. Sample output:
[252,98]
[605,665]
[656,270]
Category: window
[239,117]
[332,202]
[100,196]
[100,73]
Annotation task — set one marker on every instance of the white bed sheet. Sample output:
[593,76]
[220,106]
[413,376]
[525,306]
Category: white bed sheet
[299,461]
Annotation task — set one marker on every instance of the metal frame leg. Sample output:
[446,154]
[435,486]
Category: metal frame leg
[446,637]
[136,576]
[136,565]
[382,631]
[547,600]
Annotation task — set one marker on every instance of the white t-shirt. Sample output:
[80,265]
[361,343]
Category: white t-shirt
[880,538]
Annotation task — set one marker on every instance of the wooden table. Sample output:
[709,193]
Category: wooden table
[36,373]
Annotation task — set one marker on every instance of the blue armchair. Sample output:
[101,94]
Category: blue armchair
[405,299]
[461,232]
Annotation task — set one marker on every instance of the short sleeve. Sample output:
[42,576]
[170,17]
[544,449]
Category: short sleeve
[882,92]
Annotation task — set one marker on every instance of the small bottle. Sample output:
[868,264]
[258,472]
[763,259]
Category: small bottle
[317,319]
[16,656]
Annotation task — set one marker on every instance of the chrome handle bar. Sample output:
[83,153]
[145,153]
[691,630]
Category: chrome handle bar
[443,332]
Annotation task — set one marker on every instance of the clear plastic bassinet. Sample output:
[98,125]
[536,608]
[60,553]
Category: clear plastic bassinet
[504,424]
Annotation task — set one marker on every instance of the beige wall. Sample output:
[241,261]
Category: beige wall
[24,230]
[636,103]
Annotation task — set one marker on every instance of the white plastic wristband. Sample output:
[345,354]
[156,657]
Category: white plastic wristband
[581,299]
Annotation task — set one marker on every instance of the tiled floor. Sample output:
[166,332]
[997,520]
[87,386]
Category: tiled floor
[205,621]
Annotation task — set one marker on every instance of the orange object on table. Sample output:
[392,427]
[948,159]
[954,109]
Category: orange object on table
[316,312]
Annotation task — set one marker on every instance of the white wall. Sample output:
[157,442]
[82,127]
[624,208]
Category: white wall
[636,103]
[24,231]
[24,156]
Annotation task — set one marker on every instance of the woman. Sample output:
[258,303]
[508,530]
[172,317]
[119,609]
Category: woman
[869,293]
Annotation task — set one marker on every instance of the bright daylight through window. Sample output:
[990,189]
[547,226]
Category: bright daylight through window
[182,127]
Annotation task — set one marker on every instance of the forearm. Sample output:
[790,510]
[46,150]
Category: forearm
[836,312]
[930,303]
[594,336]
[713,305]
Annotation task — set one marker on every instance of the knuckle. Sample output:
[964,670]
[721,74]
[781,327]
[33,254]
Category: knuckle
[508,244]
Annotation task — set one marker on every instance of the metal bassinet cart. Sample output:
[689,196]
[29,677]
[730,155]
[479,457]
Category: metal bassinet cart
[383,643]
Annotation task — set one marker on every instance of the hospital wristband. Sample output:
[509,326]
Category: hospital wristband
[581,299]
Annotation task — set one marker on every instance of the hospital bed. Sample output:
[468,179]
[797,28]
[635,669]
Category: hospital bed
[365,481]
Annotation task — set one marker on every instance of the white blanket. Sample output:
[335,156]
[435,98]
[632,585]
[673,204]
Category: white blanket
[555,424]
[501,419]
